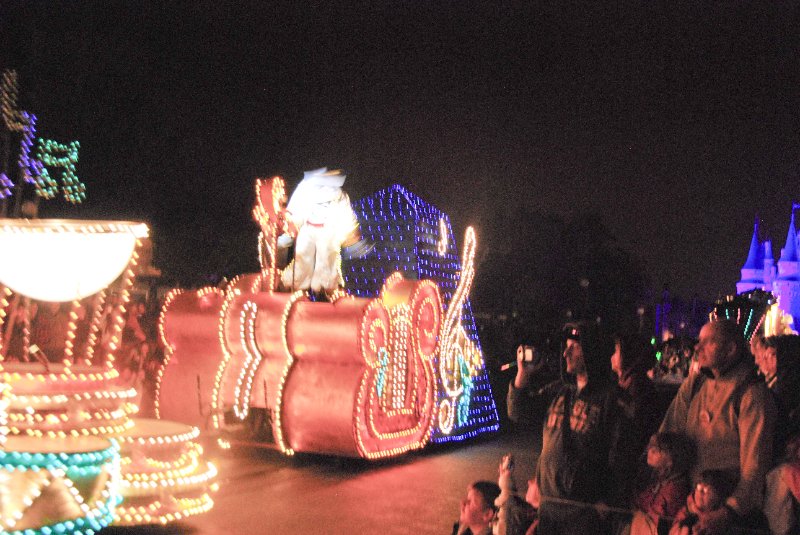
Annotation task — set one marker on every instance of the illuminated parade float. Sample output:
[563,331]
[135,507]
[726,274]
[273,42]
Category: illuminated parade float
[73,459]
[74,452]
[370,357]
[386,366]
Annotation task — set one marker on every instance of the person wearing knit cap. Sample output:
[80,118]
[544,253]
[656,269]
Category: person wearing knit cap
[573,472]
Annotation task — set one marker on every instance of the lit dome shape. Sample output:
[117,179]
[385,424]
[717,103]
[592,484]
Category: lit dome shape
[62,260]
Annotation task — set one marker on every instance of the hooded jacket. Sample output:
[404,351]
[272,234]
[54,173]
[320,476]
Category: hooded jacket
[574,463]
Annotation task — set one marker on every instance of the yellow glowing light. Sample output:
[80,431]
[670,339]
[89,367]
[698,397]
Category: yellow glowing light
[282,442]
[163,478]
[62,260]
[407,365]
[4,395]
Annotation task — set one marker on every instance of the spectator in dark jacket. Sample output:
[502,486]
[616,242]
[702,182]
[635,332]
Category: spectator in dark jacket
[573,472]
[639,415]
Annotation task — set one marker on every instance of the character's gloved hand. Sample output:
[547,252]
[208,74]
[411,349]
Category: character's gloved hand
[360,249]
[285,241]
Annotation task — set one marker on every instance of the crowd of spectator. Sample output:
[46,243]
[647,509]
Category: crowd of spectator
[723,458]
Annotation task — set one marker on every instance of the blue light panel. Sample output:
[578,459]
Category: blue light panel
[405,232]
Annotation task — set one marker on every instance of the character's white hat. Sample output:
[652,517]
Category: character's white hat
[322,177]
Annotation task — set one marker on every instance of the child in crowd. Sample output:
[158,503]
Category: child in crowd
[669,458]
[477,509]
[710,494]
[515,516]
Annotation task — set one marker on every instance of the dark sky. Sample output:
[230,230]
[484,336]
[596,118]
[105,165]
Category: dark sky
[678,122]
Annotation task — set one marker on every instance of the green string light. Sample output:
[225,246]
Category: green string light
[51,153]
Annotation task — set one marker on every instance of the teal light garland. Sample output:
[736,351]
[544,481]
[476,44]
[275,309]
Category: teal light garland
[51,153]
[88,525]
[16,460]
[74,466]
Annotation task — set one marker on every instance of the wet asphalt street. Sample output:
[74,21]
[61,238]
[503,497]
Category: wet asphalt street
[263,491]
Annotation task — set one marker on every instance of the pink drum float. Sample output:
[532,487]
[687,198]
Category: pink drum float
[65,397]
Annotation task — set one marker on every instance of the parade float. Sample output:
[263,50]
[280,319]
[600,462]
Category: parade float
[68,410]
[386,364]
[73,456]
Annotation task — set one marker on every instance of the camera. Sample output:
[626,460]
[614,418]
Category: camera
[527,354]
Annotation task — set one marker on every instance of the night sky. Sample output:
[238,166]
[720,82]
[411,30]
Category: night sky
[678,123]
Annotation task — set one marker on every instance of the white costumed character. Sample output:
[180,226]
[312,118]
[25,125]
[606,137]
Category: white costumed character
[320,216]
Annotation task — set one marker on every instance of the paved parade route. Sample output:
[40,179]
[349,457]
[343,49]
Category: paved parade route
[262,491]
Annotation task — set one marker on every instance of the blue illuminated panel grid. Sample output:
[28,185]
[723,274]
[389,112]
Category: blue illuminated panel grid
[405,232]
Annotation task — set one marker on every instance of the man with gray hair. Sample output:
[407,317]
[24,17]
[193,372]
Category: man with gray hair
[729,414]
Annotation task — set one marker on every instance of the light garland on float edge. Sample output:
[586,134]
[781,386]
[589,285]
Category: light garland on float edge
[61,409]
[137,485]
[5,186]
[64,466]
[244,384]
[216,405]
[5,293]
[150,479]
[247,340]
[451,355]
[67,375]
[168,349]
[94,326]
[153,513]
[279,438]
[118,311]
[9,93]
[46,400]
[5,394]
[72,325]
[30,168]
[272,223]
[185,464]
[372,361]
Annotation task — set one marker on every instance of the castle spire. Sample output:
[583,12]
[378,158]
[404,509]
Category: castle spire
[752,261]
[789,251]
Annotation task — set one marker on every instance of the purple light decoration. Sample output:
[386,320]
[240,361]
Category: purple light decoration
[30,169]
[406,231]
[5,186]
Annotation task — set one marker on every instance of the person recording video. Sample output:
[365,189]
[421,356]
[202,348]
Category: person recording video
[577,434]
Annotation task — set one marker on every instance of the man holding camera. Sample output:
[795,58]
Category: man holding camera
[579,431]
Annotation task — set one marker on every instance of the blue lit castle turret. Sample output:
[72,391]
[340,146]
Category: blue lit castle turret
[783,280]
[416,239]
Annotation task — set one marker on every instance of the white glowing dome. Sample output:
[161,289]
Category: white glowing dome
[62,260]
